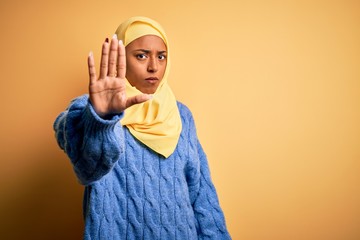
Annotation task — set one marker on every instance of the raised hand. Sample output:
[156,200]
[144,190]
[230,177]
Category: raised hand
[108,92]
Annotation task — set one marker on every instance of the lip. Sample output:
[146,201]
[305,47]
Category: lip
[151,79]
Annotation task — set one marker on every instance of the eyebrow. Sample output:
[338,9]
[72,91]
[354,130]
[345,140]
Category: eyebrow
[148,51]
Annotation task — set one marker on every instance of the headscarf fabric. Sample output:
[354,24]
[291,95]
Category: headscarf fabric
[156,122]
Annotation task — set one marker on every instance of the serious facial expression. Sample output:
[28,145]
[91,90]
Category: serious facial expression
[146,59]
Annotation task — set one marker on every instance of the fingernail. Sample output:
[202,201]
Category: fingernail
[121,42]
[107,40]
[114,36]
[90,54]
[151,96]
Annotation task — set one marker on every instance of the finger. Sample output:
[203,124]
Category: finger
[104,59]
[91,66]
[138,99]
[121,66]
[113,56]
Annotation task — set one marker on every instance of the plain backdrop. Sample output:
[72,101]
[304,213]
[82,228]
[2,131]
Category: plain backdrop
[274,87]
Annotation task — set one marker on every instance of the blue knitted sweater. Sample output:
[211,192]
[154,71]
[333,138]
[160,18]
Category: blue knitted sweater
[131,192]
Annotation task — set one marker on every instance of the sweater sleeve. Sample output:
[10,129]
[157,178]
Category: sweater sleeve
[210,220]
[89,141]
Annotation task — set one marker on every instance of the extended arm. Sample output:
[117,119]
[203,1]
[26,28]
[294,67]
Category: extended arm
[89,141]
[86,130]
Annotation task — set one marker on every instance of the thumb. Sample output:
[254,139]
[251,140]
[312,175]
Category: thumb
[138,99]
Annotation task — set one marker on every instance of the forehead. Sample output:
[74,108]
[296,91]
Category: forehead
[150,42]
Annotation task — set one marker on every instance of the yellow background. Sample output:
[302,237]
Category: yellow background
[274,87]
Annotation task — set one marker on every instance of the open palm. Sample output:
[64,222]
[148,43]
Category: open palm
[108,91]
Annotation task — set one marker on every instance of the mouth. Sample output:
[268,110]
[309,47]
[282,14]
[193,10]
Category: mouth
[152,79]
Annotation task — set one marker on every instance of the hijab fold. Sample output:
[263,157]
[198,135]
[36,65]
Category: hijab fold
[156,122]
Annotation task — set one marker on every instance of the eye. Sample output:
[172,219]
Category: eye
[140,56]
[162,57]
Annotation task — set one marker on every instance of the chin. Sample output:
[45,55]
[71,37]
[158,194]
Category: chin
[148,90]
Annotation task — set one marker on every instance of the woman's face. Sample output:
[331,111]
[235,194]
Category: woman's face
[146,59]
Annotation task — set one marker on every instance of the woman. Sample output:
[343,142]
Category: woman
[135,148]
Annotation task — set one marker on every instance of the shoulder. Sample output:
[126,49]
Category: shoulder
[184,111]
[187,118]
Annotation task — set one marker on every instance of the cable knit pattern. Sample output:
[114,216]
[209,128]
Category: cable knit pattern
[131,192]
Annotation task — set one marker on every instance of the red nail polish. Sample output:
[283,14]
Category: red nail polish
[107,40]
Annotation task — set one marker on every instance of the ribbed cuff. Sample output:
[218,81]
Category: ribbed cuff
[91,116]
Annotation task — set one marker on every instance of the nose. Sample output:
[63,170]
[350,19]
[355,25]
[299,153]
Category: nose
[152,65]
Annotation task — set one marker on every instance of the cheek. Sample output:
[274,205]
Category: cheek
[128,72]
[130,69]
[163,69]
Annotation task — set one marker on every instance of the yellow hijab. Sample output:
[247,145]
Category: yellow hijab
[156,122]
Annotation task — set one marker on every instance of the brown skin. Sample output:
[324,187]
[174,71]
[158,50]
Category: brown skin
[146,63]
[144,69]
